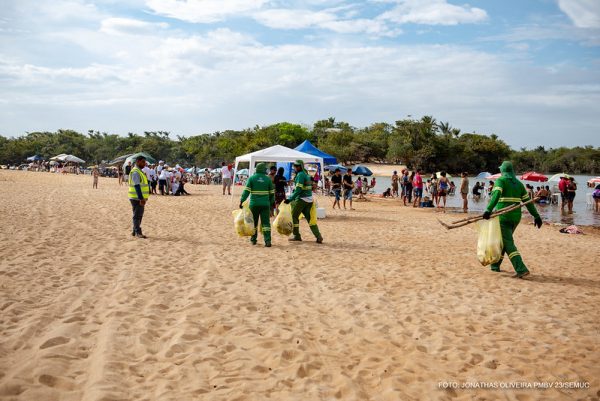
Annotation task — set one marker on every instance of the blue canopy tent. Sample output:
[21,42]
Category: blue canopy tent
[35,158]
[307,147]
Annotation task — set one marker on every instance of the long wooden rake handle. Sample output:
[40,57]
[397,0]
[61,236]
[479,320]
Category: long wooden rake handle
[470,220]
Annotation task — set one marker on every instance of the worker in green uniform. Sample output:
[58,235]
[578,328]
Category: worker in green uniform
[507,191]
[302,202]
[260,189]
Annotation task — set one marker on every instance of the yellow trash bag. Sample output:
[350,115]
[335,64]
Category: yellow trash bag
[489,244]
[243,221]
[313,214]
[283,222]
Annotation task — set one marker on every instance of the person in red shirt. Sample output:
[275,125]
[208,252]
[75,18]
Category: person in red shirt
[562,187]
[418,185]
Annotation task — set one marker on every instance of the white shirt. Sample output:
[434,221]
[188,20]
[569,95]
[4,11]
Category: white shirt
[225,172]
[164,174]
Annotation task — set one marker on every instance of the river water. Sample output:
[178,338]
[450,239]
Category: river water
[582,214]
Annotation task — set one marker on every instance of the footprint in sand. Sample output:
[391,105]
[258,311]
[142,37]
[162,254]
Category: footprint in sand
[53,342]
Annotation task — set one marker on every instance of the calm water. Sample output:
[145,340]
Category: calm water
[582,214]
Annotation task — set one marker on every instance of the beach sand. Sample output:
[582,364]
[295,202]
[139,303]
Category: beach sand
[388,307]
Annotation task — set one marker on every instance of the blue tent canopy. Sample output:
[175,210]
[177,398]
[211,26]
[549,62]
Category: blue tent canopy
[309,148]
[35,158]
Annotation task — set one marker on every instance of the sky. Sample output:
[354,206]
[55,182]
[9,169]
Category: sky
[527,71]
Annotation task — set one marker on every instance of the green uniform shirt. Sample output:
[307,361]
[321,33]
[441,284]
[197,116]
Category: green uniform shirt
[260,189]
[508,191]
[303,187]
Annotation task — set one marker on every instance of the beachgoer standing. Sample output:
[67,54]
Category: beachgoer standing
[464,191]
[507,191]
[433,189]
[226,178]
[280,182]
[95,174]
[571,190]
[259,188]
[302,199]
[139,191]
[348,187]
[596,196]
[408,186]
[336,185]
[562,187]
[395,180]
[418,185]
[128,168]
[272,173]
[443,188]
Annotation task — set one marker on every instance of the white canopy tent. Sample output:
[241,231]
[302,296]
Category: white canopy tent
[275,153]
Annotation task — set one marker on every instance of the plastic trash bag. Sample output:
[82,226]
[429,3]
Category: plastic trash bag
[489,244]
[243,221]
[283,222]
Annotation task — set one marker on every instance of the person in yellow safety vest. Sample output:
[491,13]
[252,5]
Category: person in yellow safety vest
[139,191]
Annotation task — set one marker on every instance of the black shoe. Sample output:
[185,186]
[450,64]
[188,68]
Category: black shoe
[253,242]
[268,245]
[496,270]
[320,240]
[133,233]
[292,239]
[140,235]
[521,275]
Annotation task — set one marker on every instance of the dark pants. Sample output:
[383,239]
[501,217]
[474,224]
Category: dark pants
[161,186]
[138,214]
[181,190]
[153,186]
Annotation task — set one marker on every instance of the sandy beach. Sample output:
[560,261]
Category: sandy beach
[389,307]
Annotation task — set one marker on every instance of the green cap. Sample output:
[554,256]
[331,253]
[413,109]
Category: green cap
[261,168]
[299,163]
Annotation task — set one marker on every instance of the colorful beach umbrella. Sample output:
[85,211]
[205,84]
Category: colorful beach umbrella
[495,176]
[595,180]
[483,175]
[533,176]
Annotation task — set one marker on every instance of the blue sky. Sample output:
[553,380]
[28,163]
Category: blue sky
[528,71]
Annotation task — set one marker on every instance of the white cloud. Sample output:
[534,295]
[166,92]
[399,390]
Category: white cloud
[284,18]
[432,12]
[583,13]
[325,19]
[129,26]
[203,11]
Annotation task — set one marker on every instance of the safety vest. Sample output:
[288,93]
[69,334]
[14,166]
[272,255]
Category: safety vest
[143,185]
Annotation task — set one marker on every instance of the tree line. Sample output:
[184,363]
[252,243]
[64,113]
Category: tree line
[424,143]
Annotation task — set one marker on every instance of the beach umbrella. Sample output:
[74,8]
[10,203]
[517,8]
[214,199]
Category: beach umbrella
[495,176]
[119,160]
[483,175]
[34,158]
[60,157]
[533,176]
[332,168]
[131,158]
[438,175]
[595,180]
[557,177]
[243,171]
[74,159]
[361,170]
